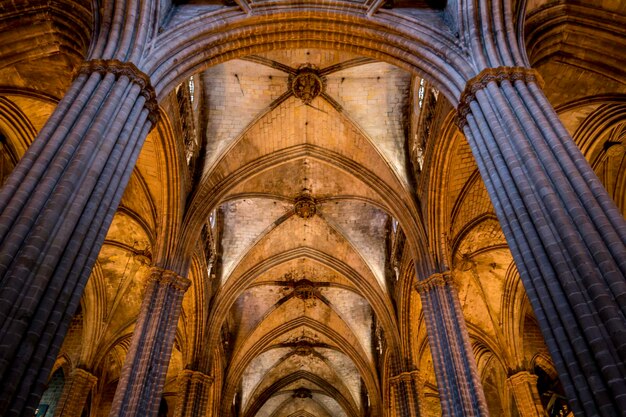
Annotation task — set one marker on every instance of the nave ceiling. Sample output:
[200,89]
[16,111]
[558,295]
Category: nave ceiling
[306,220]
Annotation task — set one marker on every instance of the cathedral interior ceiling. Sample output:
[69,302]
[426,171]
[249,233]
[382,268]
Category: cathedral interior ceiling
[296,300]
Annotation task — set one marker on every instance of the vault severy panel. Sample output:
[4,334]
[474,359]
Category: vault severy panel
[331,405]
[296,234]
[303,267]
[376,97]
[245,221]
[355,311]
[321,58]
[311,406]
[273,403]
[323,179]
[302,383]
[347,369]
[257,369]
[236,92]
[486,292]
[253,305]
[313,365]
[365,227]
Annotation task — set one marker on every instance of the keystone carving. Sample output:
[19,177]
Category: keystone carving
[302,393]
[304,289]
[307,84]
[304,205]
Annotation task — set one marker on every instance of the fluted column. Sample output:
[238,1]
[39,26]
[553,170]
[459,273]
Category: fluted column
[55,209]
[194,394]
[566,235]
[459,387]
[75,393]
[407,394]
[140,386]
[523,385]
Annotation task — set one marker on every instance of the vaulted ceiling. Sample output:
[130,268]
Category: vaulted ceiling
[301,165]
[313,143]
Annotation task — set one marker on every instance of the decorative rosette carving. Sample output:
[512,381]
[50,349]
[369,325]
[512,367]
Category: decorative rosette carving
[304,205]
[306,84]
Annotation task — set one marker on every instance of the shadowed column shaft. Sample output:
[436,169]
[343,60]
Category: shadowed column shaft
[140,386]
[194,394]
[55,210]
[75,393]
[523,385]
[566,235]
[407,394]
[459,387]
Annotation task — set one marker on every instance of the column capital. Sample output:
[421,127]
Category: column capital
[407,377]
[171,278]
[438,279]
[480,81]
[75,393]
[134,74]
[197,376]
[522,377]
[523,385]
[85,375]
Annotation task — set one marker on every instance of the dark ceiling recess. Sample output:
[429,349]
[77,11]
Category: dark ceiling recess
[401,4]
[388,4]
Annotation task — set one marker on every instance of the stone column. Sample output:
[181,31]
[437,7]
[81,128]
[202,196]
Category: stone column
[567,237]
[75,393]
[55,209]
[194,394]
[523,385]
[459,387]
[140,386]
[407,394]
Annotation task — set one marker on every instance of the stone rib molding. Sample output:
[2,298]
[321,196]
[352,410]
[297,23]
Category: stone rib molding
[134,74]
[486,76]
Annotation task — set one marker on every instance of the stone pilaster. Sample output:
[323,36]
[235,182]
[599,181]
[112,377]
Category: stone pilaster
[75,393]
[407,394]
[194,394]
[143,375]
[566,235]
[523,385]
[55,209]
[460,389]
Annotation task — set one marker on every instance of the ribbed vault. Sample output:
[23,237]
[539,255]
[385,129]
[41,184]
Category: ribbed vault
[304,190]
[304,178]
